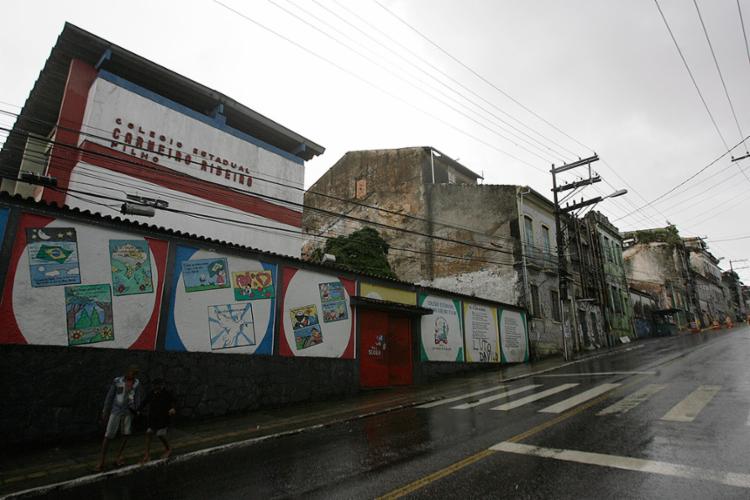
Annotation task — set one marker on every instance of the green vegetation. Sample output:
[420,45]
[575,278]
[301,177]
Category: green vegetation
[667,234]
[363,251]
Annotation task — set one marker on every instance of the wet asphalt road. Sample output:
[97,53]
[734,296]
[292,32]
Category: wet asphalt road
[701,383]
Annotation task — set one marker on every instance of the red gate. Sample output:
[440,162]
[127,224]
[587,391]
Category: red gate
[384,349]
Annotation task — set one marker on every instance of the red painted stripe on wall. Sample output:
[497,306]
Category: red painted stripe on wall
[117,161]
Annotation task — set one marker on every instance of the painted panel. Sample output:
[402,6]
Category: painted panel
[213,315]
[514,336]
[167,151]
[317,318]
[50,315]
[131,267]
[53,256]
[481,333]
[380,292]
[442,332]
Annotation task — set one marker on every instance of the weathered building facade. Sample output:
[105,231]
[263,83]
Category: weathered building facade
[446,230]
[709,292]
[735,298]
[656,262]
[603,312]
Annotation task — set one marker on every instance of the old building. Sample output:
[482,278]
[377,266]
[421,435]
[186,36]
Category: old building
[446,230]
[111,127]
[600,293]
[709,292]
[736,301]
[657,262]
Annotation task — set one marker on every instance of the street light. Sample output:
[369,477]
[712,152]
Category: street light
[617,193]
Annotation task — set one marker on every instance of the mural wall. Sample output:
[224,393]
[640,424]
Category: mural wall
[379,292]
[221,303]
[317,319]
[514,336]
[441,332]
[481,333]
[76,284]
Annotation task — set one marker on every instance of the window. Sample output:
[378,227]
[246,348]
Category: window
[361,189]
[607,249]
[451,178]
[535,309]
[545,239]
[616,300]
[555,297]
[528,230]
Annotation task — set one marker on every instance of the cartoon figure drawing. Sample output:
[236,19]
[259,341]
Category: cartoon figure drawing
[441,331]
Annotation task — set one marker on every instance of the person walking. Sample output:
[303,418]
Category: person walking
[121,404]
[160,403]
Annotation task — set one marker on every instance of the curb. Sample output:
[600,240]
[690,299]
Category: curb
[93,478]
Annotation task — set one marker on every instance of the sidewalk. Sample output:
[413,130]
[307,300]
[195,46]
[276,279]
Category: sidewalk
[33,469]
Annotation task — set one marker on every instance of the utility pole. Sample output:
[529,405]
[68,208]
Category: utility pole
[562,267]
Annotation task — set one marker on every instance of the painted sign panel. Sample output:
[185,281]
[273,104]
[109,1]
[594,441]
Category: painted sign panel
[333,299]
[131,267]
[514,336]
[38,315]
[4,213]
[378,292]
[53,256]
[231,325]
[154,144]
[442,334]
[317,315]
[306,326]
[481,333]
[205,274]
[236,319]
[88,311]
[253,285]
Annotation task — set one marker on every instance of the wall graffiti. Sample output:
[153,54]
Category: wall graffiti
[481,333]
[253,285]
[442,333]
[231,325]
[514,336]
[205,274]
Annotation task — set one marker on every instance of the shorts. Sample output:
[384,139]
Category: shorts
[159,432]
[123,423]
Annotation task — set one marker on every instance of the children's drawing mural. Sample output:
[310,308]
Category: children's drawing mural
[253,285]
[514,336]
[131,267]
[231,325]
[53,256]
[225,319]
[204,274]
[317,317]
[442,334]
[88,310]
[88,315]
[481,333]
[379,292]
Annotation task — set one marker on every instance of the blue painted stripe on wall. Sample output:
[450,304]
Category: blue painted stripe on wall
[4,213]
[173,342]
[217,123]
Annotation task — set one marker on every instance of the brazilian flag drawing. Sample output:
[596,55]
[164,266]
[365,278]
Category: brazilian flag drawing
[53,253]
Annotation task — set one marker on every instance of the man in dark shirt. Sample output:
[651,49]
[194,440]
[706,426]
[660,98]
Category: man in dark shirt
[160,404]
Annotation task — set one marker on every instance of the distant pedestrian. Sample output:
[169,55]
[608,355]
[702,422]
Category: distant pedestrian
[160,403]
[121,404]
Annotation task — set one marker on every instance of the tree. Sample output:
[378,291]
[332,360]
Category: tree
[364,250]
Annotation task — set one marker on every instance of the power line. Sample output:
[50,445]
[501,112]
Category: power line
[692,78]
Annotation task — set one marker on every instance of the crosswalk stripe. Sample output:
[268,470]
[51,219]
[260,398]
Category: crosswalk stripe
[579,398]
[534,397]
[689,408]
[459,398]
[495,397]
[628,403]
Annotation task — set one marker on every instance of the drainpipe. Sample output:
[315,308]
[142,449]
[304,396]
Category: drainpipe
[432,165]
[522,234]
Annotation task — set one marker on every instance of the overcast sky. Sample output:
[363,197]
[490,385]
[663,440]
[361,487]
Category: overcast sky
[605,73]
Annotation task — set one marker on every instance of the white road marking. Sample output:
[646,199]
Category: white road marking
[628,403]
[579,398]
[748,420]
[595,374]
[689,408]
[533,397]
[495,397]
[459,398]
[737,479]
